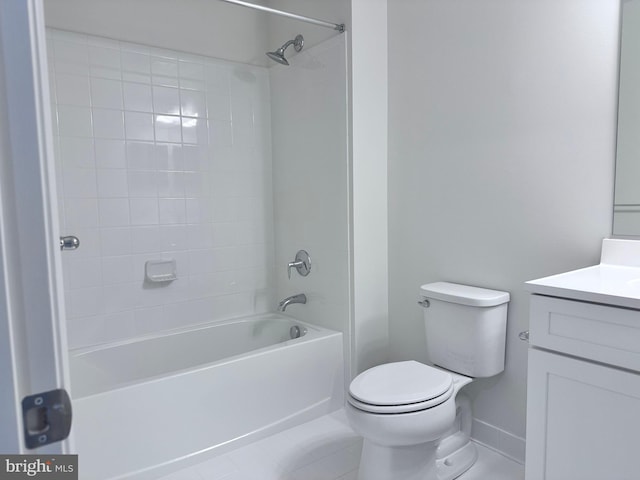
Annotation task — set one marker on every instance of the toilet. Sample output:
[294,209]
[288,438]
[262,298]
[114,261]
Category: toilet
[415,423]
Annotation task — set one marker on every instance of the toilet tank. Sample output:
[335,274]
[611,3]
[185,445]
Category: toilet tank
[465,327]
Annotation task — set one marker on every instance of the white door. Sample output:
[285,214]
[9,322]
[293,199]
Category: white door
[32,336]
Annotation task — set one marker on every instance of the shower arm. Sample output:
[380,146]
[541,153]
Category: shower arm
[286,45]
[297,43]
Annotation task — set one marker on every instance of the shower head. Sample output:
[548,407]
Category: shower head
[278,55]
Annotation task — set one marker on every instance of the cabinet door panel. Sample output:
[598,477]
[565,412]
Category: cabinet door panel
[583,420]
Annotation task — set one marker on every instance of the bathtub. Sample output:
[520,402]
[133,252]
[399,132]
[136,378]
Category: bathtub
[146,407]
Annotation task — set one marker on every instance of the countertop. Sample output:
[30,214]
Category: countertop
[606,284]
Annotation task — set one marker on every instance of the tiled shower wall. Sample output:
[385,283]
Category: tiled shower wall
[160,155]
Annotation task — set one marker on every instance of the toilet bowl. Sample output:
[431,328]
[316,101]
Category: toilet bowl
[414,420]
[403,410]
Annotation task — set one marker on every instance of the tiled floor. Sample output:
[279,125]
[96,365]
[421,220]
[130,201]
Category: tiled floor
[323,449]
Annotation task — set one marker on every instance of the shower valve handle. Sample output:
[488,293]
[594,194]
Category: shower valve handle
[293,265]
[302,264]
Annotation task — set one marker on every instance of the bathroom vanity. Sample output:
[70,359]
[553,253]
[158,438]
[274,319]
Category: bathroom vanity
[583,391]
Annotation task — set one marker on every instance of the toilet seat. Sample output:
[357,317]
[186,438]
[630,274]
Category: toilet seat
[400,387]
[408,408]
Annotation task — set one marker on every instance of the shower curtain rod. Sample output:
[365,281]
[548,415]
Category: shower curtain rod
[336,26]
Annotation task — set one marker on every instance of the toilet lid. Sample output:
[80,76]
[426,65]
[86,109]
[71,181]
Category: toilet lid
[400,383]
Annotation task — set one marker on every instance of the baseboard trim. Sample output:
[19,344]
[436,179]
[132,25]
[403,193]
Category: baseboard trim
[501,441]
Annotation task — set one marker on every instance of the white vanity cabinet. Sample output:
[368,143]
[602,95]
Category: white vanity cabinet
[583,391]
[583,386]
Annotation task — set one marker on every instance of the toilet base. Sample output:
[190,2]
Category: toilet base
[412,462]
[458,462]
[417,462]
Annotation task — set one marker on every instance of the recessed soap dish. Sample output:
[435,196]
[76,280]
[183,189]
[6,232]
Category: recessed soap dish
[158,271]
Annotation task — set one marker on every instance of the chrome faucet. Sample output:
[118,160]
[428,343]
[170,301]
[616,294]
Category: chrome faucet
[300,298]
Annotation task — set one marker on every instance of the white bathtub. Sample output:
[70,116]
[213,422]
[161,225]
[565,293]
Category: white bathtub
[147,407]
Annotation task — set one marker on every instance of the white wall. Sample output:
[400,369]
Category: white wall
[369,183]
[501,158]
[151,167]
[310,183]
[310,161]
[206,27]
[366,23]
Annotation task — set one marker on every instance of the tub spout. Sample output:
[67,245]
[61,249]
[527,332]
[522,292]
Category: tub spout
[300,298]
